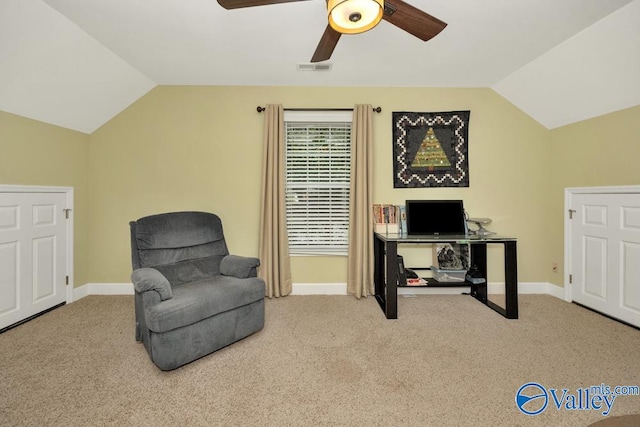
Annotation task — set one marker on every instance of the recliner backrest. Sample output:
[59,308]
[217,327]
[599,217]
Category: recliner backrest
[183,246]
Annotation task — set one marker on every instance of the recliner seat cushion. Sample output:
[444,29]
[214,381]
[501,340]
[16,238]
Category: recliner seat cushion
[202,299]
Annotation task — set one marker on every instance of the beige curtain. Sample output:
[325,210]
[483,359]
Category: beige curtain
[275,268]
[360,259]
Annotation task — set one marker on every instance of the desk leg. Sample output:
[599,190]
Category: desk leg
[391,292]
[479,260]
[511,280]
[378,272]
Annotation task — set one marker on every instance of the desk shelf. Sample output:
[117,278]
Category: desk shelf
[432,283]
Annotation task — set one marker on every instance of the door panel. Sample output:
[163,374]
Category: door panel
[631,276]
[595,215]
[9,289]
[631,218]
[595,267]
[44,261]
[9,217]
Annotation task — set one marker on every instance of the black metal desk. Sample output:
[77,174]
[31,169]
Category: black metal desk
[385,275]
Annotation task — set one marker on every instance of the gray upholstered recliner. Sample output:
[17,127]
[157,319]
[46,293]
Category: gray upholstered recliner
[191,297]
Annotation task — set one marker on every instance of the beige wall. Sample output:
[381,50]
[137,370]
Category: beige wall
[603,151]
[200,148]
[36,153]
[182,148]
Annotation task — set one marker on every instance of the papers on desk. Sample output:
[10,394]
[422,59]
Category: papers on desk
[416,282]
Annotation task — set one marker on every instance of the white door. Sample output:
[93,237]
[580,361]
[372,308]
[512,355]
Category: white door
[605,254]
[33,254]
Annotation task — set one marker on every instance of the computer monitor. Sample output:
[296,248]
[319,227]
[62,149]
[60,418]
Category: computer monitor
[435,217]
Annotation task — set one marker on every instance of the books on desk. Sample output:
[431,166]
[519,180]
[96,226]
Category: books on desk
[389,219]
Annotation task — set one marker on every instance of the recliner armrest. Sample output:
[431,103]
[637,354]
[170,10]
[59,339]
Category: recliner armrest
[239,266]
[150,279]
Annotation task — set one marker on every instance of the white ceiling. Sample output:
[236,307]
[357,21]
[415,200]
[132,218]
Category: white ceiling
[78,63]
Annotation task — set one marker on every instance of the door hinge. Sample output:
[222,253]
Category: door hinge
[571,278]
[571,212]
[66,213]
[66,280]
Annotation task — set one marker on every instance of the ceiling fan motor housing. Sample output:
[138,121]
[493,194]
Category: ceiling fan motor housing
[354,16]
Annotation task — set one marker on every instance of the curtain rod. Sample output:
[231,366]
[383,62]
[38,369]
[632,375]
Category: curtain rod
[375,109]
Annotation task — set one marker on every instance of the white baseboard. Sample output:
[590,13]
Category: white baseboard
[337,289]
[102,289]
[530,288]
[319,289]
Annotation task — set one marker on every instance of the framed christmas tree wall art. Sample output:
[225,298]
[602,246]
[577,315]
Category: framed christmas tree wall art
[430,149]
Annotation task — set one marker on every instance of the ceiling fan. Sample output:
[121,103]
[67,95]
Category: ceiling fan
[357,16]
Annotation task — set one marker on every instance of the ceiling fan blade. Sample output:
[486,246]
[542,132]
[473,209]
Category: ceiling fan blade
[327,43]
[412,20]
[236,4]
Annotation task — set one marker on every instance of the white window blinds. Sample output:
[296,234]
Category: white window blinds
[318,159]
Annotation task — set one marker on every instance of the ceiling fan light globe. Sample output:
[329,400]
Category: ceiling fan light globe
[354,16]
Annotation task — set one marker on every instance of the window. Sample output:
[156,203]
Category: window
[318,164]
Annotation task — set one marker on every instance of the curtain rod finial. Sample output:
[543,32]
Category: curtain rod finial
[260,109]
[377,109]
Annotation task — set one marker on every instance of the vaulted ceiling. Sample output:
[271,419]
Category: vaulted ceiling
[78,63]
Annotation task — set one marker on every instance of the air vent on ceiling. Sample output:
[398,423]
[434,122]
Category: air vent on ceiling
[314,67]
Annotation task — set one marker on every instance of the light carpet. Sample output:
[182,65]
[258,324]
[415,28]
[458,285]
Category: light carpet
[320,361]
